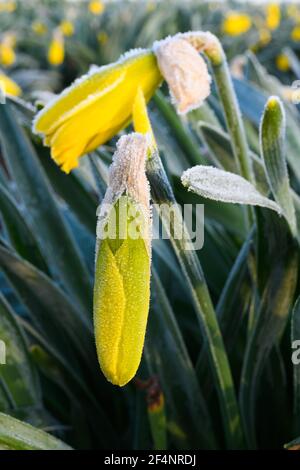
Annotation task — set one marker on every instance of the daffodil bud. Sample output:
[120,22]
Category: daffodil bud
[185,72]
[123,260]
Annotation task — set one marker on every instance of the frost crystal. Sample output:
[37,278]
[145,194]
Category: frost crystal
[185,72]
[219,185]
[127,176]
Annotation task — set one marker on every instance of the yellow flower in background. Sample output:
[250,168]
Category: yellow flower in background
[39,28]
[264,36]
[282,62]
[7,54]
[295,34]
[273,15]
[236,23]
[96,7]
[150,6]
[56,52]
[96,107]
[8,6]
[8,86]
[11,6]
[102,38]
[123,263]
[67,28]
[293,12]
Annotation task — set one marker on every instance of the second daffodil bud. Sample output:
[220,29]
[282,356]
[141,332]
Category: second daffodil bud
[185,71]
[123,263]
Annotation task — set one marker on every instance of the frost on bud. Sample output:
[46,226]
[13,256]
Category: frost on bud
[123,261]
[185,72]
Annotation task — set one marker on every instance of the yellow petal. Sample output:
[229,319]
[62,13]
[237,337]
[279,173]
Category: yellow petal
[7,54]
[97,106]
[96,7]
[67,28]
[295,34]
[282,62]
[8,86]
[140,118]
[236,23]
[273,15]
[56,53]
[39,28]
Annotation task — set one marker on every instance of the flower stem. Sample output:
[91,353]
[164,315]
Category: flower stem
[232,113]
[162,193]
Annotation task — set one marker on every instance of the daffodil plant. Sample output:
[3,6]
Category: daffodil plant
[88,114]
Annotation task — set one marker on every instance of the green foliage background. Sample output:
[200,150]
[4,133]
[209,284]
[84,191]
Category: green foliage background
[52,380]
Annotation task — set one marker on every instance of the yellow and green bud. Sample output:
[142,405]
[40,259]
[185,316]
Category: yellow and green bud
[123,263]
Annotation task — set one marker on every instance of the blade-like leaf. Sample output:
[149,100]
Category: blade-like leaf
[18,373]
[279,255]
[168,356]
[72,190]
[51,310]
[20,235]
[43,214]
[16,435]
[220,185]
[219,144]
[272,137]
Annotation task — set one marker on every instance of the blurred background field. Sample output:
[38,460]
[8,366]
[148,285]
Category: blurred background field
[98,32]
[52,380]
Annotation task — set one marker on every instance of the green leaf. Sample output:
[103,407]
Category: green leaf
[18,373]
[253,97]
[72,190]
[272,137]
[219,145]
[167,354]
[220,185]
[293,445]
[20,235]
[279,257]
[51,310]
[16,435]
[44,216]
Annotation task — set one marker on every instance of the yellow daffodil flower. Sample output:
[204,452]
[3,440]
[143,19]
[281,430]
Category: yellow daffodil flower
[67,28]
[100,104]
[123,262]
[295,34]
[8,86]
[236,23]
[39,28]
[56,52]
[264,36]
[96,7]
[7,54]
[282,62]
[8,6]
[273,15]
[150,6]
[96,107]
